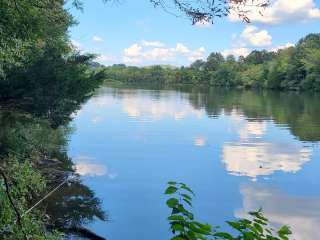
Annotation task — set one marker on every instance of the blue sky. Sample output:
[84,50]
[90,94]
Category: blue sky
[136,33]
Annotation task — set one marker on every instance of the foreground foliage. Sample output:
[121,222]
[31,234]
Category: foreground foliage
[19,184]
[184,226]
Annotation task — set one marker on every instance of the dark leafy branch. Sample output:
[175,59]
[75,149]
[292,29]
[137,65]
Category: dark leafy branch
[184,226]
[208,10]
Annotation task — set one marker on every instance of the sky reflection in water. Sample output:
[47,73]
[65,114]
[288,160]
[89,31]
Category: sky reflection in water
[128,143]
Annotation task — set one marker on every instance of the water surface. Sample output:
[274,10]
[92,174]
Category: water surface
[238,150]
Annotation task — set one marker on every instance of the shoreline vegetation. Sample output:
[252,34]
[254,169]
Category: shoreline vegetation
[295,68]
[44,80]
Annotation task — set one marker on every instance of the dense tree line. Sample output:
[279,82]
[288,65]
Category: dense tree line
[36,55]
[293,68]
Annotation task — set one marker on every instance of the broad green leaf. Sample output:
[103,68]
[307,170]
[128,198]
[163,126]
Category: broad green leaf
[223,235]
[171,190]
[235,225]
[172,202]
[177,227]
[284,232]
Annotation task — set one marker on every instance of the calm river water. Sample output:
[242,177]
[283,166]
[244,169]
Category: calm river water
[238,150]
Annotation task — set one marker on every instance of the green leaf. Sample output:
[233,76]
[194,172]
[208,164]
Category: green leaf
[172,183]
[258,215]
[177,238]
[176,218]
[186,196]
[223,235]
[190,216]
[284,232]
[206,227]
[249,236]
[177,227]
[187,201]
[260,221]
[235,225]
[172,202]
[171,190]
[258,227]
[197,229]
[185,187]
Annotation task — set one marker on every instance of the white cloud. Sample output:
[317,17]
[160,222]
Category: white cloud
[197,54]
[133,51]
[77,45]
[255,37]
[153,44]
[97,39]
[301,213]
[148,53]
[277,48]
[252,38]
[282,11]
[180,48]
[237,52]
[200,141]
[104,59]
[159,54]
[203,24]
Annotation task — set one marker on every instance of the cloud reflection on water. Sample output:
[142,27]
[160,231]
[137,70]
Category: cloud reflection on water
[85,166]
[302,214]
[257,159]
[252,155]
[140,107]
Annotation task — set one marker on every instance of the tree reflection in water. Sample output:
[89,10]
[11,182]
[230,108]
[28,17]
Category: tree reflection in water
[35,127]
